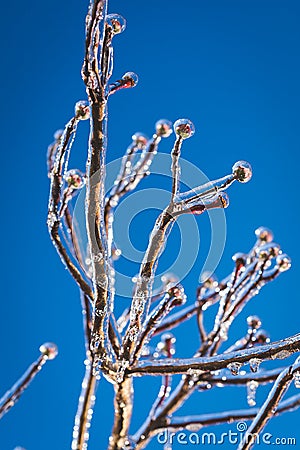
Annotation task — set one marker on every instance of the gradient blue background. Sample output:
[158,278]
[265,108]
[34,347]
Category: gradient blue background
[233,68]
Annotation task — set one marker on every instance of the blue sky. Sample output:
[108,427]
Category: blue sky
[230,66]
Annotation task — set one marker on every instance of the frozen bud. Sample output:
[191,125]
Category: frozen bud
[169,279]
[268,250]
[135,278]
[140,139]
[74,178]
[49,350]
[131,79]
[163,128]
[240,259]
[264,234]
[116,23]
[283,262]
[242,171]
[58,134]
[177,294]
[116,253]
[253,322]
[208,280]
[166,345]
[262,337]
[169,339]
[82,110]
[184,128]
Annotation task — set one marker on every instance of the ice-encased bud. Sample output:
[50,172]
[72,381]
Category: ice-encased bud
[169,279]
[240,259]
[262,337]
[82,110]
[131,79]
[253,322]
[163,128]
[140,139]
[184,128]
[49,350]
[166,345]
[242,171]
[116,22]
[208,280]
[268,250]
[74,178]
[116,253]
[177,294]
[264,234]
[58,134]
[283,262]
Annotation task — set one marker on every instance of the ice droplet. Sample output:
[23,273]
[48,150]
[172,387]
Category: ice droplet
[251,392]
[49,350]
[283,261]
[254,364]
[163,128]
[74,179]
[184,128]
[297,379]
[82,110]
[253,322]
[234,367]
[242,171]
[116,22]
[264,234]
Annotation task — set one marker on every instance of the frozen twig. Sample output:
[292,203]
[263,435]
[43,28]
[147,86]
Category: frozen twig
[48,351]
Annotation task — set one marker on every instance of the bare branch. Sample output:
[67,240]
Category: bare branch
[84,413]
[275,350]
[48,351]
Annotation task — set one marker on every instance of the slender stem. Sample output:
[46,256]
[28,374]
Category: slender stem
[85,408]
[12,396]
[175,167]
[67,260]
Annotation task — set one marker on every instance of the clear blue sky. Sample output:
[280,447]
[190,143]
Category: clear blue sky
[233,68]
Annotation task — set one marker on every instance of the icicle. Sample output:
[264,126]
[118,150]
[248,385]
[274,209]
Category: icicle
[254,364]
[234,367]
[297,379]
[251,392]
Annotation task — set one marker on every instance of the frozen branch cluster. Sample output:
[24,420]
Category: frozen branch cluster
[117,347]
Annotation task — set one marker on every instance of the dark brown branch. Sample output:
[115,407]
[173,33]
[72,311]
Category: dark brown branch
[123,411]
[280,349]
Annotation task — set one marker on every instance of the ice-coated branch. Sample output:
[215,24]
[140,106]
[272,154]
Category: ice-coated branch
[48,352]
[123,404]
[275,350]
[268,409]
[117,348]
[174,297]
[84,412]
[204,420]
[58,175]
